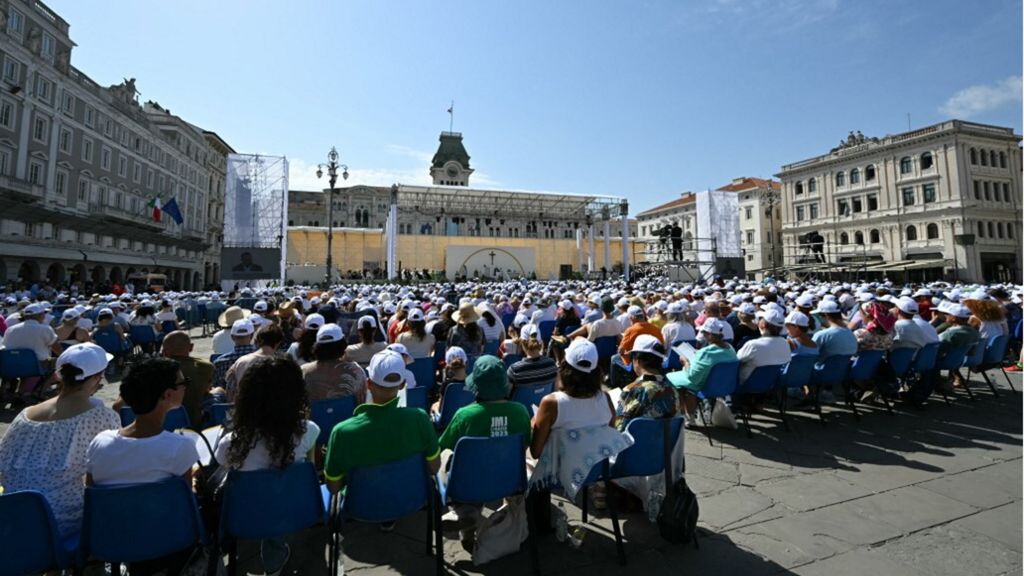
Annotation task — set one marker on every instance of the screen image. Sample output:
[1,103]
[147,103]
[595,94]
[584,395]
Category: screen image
[245,263]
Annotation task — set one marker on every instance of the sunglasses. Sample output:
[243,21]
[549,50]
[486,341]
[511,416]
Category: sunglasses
[183,383]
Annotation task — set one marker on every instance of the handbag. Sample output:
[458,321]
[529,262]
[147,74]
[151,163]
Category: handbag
[677,518]
[501,533]
[722,416]
[209,486]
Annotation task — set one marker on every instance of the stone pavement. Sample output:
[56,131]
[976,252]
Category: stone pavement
[930,492]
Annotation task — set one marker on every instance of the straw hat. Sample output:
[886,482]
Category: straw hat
[229,316]
[286,310]
[466,314]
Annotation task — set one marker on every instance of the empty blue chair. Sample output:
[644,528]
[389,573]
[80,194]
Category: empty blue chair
[486,470]
[142,335]
[455,396]
[18,363]
[29,540]
[510,359]
[417,398]
[863,368]
[995,354]
[722,381]
[136,522]
[762,380]
[423,370]
[546,328]
[531,395]
[795,375]
[175,419]
[269,503]
[329,413]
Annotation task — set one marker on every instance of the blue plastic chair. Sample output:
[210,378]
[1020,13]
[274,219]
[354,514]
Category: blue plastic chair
[136,522]
[672,362]
[607,346]
[951,360]
[423,370]
[175,419]
[763,380]
[491,347]
[531,395]
[974,359]
[111,343]
[722,381]
[795,375]
[995,354]
[19,363]
[546,328]
[440,348]
[829,371]
[391,491]
[220,413]
[269,503]
[29,540]
[142,335]
[508,319]
[925,358]
[483,470]
[455,396]
[863,368]
[168,326]
[510,359]
[901,360]
[417,398]
[329,413]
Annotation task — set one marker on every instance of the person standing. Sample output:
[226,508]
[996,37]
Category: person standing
[677,241]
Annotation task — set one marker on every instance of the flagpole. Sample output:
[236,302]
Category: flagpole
[451,117]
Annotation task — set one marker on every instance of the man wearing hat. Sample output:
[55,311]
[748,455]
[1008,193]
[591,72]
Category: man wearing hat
[241,336]
[770,349]
[694,375]
[834,338]
[32,334]
[907,334]
[222,343]
[379,431]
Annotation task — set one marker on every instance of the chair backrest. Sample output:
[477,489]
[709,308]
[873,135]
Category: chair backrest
[951,359]
[213,312]
[976,355]
[672,362]
[508,319]
[901,360]
[387,491]
[646,456]
[607,346]
[168,326]
[926,357]
[455,396]
[995,349]
[546,329]
[797,373]
[416,397]
[1018,330]
[29,539]
[722,380]
[491,347]
[487,469]
[762,379]
[864,365]
[423,370]
[136,522]
[18,363]
[142,334]
[328,413]
[175,419]
[510,359]
[831,369]
[220,413]
[109,341]
[531,395]
[269,503]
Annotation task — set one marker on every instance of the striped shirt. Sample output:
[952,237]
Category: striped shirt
[530,371]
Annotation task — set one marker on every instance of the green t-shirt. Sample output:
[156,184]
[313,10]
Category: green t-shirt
[376,434]
[487,420]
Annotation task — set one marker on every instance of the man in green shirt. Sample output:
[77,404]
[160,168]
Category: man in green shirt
[380,432]
[178,346]
[489,417]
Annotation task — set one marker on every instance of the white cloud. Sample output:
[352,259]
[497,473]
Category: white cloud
[981,98]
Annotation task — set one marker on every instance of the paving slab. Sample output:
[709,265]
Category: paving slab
[910,509]
[859,563]
[1002,524]
[950,550]
[982,488]
[810,491]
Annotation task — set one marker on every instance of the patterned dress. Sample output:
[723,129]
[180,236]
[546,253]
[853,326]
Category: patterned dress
[652,396]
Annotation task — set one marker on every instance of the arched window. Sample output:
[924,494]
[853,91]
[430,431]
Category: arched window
[874,236]
[992,158]
[991,230]
[316,222]
[291,222]
[799,187]
[1002,159]
[844,238]
[932,232]
[974,156]
[869,172]
[981,229]
[911,233]
[840,179]
[1009,230]
[854,176]
[984,158]
[999,229]
[858,238]
[812,185]
[906,165]
[926,161]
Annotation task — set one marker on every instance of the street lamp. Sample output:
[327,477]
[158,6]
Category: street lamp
[769,198]
[332,176]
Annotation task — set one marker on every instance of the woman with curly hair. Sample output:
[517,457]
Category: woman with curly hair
[988,315]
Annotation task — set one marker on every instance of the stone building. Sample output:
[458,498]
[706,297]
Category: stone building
[940,202]
[81,164]
[760,218]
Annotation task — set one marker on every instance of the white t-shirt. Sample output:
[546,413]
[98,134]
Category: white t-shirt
[763,351]
[116,459]
[167,316]
[930,334]
[259,458]
[31,335]
[678,331]
[604,327]
[222,342]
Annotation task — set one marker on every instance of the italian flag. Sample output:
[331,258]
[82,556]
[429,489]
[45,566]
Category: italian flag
[155,204]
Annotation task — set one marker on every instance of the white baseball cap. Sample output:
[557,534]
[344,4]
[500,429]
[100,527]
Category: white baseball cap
[828,307]
[648,344]
[959,310]
[529,331]
[772,316]
[907,305]
[70,314]
[798,318]
[87,357]
[387,369]
[746,308]
[635,312]
[366,322]
[33,310]
[243,327]
[329,333]
[416,315]
[455,353]
[400,349]
[805,301]
[314,321]
[716,326]
[582,355]
[260,306]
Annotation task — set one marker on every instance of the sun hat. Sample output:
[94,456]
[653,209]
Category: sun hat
[329,333]
[714,326]
[648,344]
[314,321]
[387,369]
[798,318]
[243,327]
[582,355]
[228,317]
[489,380]
[466,314]
[87,357]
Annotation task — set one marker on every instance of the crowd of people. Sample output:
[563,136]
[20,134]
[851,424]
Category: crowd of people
[277,351]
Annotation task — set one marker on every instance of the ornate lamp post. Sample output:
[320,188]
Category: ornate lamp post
[332,175]
[769,198]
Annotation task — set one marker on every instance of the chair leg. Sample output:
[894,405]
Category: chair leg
[232,557]
[430,524]
[531,536]
[438,536]
[1008,382]
[984,374]
[817,403]
[707,423]
[746,414]
[851,402]
[619,548]
[782,409]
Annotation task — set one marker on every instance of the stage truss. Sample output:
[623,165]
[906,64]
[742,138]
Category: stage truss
[256,202]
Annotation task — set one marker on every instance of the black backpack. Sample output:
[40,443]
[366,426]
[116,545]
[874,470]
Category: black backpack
[677,518]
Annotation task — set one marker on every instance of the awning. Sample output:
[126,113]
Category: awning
[909,265]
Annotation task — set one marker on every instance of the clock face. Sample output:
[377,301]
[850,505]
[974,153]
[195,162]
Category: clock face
[452,171]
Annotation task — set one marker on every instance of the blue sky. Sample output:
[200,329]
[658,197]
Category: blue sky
[638,98]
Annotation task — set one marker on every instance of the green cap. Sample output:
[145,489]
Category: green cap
[488,380]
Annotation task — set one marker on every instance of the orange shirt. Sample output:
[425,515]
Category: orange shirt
[634,330]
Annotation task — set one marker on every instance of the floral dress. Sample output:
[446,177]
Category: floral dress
[652,396]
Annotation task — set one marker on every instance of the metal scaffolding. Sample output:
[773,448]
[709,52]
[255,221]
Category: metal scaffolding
[256,203]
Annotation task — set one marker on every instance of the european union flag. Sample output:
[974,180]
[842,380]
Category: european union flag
[171,209]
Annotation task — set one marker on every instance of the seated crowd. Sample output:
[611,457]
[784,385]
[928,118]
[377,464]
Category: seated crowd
[278,352]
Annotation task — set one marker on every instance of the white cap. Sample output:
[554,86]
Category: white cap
[635,312]
[455,353]
[366,322]
[329,333]
[746,308]
[416,315]
[314,321]
[798,318]
[387,369]
[565,304]
[529,331]
[649,344]
[70,314]
[865,297]
[772,316]
[582,355]
[243,327]
[87,357]
[33,309]
[399,349]
[674,308]
[714,326]
[907,305]
[805,301]
[105,311]
[828,307]
[959,310]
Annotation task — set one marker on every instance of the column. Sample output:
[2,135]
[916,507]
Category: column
[590,243]
[608,243]
[391,231]
[624,212]
[579,250]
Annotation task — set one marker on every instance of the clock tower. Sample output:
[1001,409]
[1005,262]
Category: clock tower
[450,166]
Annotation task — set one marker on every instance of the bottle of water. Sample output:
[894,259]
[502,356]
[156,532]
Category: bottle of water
[561,523]
[576,538]
[654,500]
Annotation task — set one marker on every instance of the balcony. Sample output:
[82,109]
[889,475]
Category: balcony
[21,190]
[120,216]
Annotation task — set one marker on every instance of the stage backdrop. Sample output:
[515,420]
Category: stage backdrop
[249,263]
[718,218]
[485,260]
